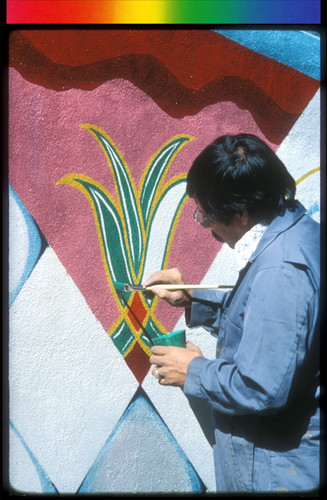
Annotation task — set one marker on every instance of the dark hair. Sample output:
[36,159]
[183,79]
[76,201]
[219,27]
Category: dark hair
[241,172]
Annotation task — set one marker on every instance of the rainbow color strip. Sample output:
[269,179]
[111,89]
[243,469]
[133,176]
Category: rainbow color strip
[163,11]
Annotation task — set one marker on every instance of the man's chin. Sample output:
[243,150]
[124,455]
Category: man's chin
[217,238]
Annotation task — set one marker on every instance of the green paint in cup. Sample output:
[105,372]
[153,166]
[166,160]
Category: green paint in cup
[177,339]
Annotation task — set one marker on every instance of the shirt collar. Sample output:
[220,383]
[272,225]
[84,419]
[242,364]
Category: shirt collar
[245,247]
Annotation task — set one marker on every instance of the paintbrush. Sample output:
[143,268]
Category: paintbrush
[129,287]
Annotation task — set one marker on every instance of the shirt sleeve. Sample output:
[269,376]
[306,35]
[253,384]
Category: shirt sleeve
[279,319]
[207,308]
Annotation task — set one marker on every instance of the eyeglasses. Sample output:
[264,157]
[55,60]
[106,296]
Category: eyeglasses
[200,218]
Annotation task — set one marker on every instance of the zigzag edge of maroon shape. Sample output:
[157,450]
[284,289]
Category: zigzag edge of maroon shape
[154,78]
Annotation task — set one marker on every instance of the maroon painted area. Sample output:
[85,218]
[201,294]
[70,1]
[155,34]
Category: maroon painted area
[138,362]
[183,71]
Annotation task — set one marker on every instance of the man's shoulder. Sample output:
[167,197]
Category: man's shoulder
[298,244]
[305,232]
[301,245]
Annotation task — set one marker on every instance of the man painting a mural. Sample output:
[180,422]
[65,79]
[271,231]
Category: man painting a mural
[103,125]
[262,389]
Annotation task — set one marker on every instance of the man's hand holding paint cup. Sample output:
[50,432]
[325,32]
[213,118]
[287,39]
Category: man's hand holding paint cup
[171,356]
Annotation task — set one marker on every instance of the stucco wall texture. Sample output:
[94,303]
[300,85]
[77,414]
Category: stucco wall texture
[103,127]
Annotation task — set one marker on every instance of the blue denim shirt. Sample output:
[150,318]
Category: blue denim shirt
[259,397]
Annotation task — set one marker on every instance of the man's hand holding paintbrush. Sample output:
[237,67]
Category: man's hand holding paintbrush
[176,298]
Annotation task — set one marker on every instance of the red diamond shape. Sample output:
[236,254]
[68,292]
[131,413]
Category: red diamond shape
[138,310]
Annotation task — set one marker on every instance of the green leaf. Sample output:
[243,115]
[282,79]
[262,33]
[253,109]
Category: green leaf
[112,233]
[154,175]
[122,337]
[126,194]
[159,235]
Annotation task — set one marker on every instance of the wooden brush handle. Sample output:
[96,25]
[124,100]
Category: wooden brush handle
[168,286]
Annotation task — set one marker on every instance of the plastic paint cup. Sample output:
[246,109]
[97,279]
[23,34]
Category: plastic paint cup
[177,339]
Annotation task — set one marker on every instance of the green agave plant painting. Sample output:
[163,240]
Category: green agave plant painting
[125,227]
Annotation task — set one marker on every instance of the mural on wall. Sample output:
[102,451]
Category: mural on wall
[103,127]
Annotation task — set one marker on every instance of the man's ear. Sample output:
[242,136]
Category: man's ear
[244,218]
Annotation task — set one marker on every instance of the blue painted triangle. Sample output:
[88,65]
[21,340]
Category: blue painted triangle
[46,483]
[141,455]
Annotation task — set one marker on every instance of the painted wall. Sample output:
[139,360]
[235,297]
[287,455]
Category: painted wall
[103,127]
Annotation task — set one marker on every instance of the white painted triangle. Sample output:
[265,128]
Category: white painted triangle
[68,383]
